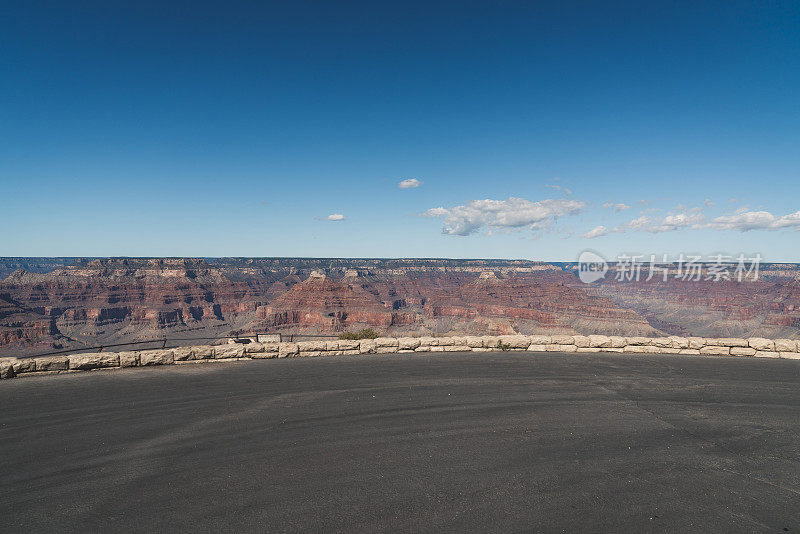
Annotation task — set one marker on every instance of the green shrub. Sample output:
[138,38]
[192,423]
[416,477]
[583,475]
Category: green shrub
[503,346]
[366,333]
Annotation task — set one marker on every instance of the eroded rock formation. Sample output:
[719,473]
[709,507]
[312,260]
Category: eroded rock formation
[104,301]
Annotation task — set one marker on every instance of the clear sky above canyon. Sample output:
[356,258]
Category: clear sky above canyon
[465,129]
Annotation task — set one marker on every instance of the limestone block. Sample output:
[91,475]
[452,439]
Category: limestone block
[588,349]
[661,342]
[268,338]
[437,349]
[717,350]
[599,341]
[637,340]
[785,345]
[553,347]
[580,341]
[561,340]
[679,342]
[287,349]
[459,340]
[458,348]
[428,341]
[253,348]
[163,357]
[272,347]
[537,348]
[6,368]
[264,355]
[760,343]
[386,342]
[474,341]
[423,348]
[408,343]
[52,363]
[697,342]
[540,340]
[203,352]
[446,341]
[611,349]
[635,348]
[386,350]
[366,346]
[726,342]
[743,351]
[305,346]
[480,349]
[129,358]
[516,342]
[348,344]
[94,360]
[790,355]
[350,352]
[228,351]
[490,342]
[767,354]
[24,365]
[179,354]
[312,353]
[618,341]
[689,351]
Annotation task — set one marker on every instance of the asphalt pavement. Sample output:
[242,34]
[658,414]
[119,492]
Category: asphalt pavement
[437,442]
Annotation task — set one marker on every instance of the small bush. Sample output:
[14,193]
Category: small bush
[503,346]
[366,333]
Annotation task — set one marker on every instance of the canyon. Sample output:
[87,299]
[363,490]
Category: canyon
[51,304]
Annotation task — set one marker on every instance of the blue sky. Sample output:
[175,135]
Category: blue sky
[238,128]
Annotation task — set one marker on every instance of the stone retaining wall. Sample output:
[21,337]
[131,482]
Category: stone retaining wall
[758,347]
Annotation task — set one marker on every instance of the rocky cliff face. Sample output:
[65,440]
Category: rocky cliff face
[534,302]
[769,307]
[23,327]
[321,304]
[94,302]
[104,301]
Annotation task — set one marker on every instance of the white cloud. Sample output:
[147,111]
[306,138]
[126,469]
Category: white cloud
[688,219]
[678,221]
[617,207]
[513,213]
[755,220]
[335,217]
[597,231]
[640,223]
[409,183]
[693,218]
